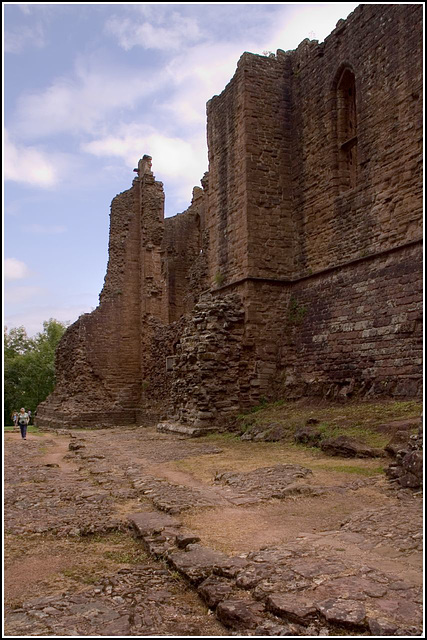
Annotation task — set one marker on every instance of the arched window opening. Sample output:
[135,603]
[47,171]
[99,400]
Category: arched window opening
[347,130]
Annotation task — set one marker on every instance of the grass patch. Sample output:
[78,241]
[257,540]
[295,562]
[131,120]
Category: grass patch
[351,468]
[356,419]
[113,538]
[126,556]
[98,554]
[30,429]
[365,434]
[85,575]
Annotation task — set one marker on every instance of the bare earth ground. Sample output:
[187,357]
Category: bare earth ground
[335,536]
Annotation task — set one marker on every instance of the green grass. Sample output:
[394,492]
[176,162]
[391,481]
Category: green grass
[356,419]
[356,469]
[364,434]
[30,429]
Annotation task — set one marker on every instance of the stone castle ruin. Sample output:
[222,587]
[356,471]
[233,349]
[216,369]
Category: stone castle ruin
[297,268]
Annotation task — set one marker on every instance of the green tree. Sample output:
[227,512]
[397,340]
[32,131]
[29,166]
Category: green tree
[29,366]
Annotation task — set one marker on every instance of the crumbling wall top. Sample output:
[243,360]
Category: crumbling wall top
[144,166]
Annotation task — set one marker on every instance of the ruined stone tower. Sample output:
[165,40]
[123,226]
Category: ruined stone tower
[297,268]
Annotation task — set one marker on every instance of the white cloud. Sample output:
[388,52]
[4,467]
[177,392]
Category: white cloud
[17,40]
[83,102]
[313,21]
[196,75]
[15,269]
[179,163]
[28,165]
[171,32]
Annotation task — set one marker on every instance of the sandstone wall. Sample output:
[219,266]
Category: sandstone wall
[297,267]
[357,330]
[316,201]
[98,360]
[268,128]
[210,370]
[226,220]
[109,366]
[381,45]
[185,257]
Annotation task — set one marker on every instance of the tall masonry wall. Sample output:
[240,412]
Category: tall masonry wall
[363,324]
[296,270]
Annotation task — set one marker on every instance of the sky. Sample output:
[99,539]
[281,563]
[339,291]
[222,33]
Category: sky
[88,90]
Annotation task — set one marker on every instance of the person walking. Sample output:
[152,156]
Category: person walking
[23,420]
[15,419]
[29,416]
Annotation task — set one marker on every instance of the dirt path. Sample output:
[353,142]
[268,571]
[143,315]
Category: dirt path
[336,537]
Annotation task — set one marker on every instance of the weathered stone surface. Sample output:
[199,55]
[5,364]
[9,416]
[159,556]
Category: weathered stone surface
[185,538]
[175,498]
[398,442]
[292,607]
[270,628]
[408,468]
[252,574]
[279,481]
[349,448]
[196,563]
[76,444]
[240,614]
[230,567]
[338,572]
[350,613]
[147,523]
[308,435]
[381,627]
[214,590]
[184,429]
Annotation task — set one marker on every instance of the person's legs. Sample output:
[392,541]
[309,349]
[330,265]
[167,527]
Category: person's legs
[23,428]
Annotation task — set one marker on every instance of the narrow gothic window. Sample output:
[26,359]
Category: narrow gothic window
[347,130]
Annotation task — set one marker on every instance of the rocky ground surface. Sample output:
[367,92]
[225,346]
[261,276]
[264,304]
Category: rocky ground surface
[125,532]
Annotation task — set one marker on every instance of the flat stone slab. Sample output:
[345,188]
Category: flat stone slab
[214,590]
[151,522]
[347,447]
[240,613]
[184,429]
[197,563]
[175,498]
[293,608]
[349,613]
[279,481]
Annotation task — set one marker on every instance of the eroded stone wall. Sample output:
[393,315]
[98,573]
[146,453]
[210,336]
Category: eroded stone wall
[297,267]
[185,256]
[110,364]
[210,372]
[98,366]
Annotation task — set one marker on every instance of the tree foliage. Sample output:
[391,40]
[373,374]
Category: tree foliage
[29,366]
